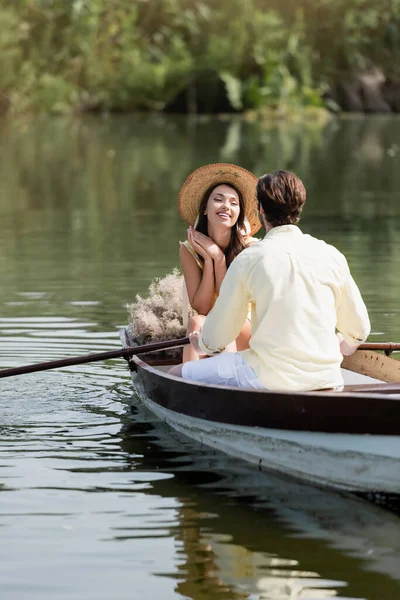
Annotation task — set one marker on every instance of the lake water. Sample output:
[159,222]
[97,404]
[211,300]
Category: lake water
[97,500]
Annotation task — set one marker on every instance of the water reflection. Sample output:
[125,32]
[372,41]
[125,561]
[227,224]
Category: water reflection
[231,519]
[125,163]
[92,202]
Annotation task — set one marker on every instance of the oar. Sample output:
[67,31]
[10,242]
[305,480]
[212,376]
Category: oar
[386,347]
[129,351]
[79,360]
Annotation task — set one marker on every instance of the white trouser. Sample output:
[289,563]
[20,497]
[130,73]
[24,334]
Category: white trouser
[228,368]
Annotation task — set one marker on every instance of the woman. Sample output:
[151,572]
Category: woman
[218,202]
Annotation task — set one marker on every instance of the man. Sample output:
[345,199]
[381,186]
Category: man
[301,291]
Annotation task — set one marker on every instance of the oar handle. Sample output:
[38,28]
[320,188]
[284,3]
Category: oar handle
[79,360]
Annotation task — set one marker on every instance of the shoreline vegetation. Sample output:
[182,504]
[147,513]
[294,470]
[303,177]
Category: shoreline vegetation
[260,58]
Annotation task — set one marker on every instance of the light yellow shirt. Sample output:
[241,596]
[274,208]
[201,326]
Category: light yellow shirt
[301,289]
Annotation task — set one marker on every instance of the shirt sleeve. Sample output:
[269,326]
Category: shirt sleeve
[352,315]
[227,317]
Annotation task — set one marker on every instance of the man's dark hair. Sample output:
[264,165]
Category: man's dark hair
[282,196]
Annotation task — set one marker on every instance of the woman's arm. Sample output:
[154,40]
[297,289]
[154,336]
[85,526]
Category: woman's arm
[200,284]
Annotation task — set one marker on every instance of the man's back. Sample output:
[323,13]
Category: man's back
[300,289]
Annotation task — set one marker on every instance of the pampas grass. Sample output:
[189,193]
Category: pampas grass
[158,317]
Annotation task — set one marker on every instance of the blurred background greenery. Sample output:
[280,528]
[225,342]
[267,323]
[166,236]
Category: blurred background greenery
[199,56]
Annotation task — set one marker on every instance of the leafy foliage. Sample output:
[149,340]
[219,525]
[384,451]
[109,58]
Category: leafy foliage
[121,55]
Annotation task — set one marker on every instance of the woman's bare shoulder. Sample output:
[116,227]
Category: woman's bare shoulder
[188,255]
[186,249]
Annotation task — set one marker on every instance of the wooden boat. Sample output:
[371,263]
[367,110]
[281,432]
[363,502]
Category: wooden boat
[348,439]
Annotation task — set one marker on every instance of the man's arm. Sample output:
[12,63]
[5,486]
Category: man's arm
[226,319]
[352,317]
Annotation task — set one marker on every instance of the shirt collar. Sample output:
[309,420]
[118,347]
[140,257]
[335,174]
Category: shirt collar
[283,230]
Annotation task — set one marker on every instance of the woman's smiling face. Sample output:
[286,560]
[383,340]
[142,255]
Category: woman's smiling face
[223,206]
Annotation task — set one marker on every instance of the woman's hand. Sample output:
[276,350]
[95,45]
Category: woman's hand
[206,244]
[196,246]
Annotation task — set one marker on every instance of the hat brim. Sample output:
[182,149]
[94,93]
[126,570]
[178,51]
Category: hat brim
[196,185]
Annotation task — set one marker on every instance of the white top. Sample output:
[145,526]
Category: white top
[301,290]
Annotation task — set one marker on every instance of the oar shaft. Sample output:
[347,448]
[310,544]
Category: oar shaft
[79,360]
[65,362]
[129,351]
[387,347]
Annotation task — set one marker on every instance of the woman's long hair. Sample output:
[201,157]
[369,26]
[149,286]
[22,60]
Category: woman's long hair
[237,241]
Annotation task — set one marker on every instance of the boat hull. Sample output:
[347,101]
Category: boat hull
[309,436]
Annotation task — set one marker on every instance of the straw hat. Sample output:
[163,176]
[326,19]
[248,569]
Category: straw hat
[193,190]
